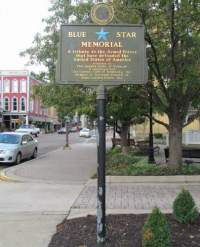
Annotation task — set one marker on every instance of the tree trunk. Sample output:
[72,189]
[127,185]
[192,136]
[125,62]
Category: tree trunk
[175,141]
[124,138]
[114,134]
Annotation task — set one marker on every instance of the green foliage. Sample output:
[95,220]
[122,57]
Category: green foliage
[122,160]
[133,164]
[156,232]
[158,135]
[173,54]
[65,99]
[173,48]
[126,104]
[112,151]
[184,208]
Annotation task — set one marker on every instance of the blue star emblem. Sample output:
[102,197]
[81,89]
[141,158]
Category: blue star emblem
[102,34]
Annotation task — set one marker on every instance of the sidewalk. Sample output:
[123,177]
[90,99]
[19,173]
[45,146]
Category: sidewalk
[123,196]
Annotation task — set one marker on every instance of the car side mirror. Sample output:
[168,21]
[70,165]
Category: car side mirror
[24,142]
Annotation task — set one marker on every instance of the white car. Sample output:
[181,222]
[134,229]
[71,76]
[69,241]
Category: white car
[84,132]
[29,129]
[15,147]
[36,128]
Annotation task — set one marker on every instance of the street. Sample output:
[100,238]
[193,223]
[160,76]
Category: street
[50,142]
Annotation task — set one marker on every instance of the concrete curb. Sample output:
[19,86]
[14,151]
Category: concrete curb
[5,178]
[78,213]
[149,179]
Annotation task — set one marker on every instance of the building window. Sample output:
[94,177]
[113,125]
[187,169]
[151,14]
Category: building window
[6,86]
[14,86]
[14,104]
[5,104]
[23,86]
[22,104]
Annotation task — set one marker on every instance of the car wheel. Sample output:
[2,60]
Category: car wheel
[34,156]
[18,159]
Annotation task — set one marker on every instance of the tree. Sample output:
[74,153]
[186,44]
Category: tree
[126,106]
[65,99]
[173,50]
[44,51]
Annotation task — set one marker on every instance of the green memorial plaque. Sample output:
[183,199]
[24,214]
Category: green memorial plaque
[102,55]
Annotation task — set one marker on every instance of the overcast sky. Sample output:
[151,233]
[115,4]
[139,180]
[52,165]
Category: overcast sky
[20,20]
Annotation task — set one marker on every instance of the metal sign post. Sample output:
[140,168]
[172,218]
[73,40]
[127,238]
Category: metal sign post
[101,157]
[98,56]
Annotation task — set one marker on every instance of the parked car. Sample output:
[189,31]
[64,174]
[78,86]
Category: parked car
[15,147]
[73,129]
[62,130]
[36,128]
[93,134]
[28,128]
[84,132]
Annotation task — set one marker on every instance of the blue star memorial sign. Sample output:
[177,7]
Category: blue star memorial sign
[102,34]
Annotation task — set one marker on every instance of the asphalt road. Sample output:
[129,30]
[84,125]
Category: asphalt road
[50,142]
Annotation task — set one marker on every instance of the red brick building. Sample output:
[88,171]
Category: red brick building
[17,103]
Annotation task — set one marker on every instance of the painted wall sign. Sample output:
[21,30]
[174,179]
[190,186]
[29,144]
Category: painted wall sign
[102,55]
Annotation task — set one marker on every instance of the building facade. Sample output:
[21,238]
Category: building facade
[18,104]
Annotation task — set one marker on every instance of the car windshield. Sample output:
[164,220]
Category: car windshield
[10,139]
[27,126]
[24,127]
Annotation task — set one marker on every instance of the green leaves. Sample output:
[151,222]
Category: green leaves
[66,99]
[173,48]
[127,103]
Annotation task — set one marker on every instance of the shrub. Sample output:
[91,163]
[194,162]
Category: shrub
[122,160]
[184,208]
[113,151]
[156,231]
[158,135]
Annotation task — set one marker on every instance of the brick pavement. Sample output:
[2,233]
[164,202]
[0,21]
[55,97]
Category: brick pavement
[135,197]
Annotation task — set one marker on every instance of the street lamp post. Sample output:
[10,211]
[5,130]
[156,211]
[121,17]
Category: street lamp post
[67,121]
[151,151]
